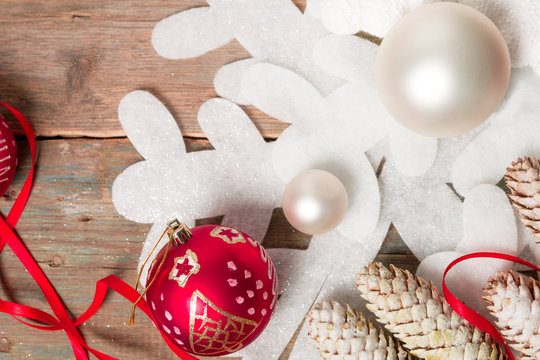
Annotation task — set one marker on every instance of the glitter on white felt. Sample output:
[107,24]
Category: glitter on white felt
[353,59]
[326,133]
[489,224]
[517,21]
[270,30]
[240,164]
[513,133]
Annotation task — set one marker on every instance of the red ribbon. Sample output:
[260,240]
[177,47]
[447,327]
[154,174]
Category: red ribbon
[466,312]
[61,319]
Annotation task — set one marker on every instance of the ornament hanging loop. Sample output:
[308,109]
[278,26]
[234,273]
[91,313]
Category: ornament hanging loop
[178,233]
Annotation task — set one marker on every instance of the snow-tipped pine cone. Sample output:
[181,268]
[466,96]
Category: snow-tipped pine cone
[515,302]
[415,312]
[523,180]
[345,334]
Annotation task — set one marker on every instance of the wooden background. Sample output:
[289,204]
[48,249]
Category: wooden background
[66,64]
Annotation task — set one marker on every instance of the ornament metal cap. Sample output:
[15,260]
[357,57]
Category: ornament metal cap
[178,232]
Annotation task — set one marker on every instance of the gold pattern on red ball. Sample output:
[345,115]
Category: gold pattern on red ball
[215,293]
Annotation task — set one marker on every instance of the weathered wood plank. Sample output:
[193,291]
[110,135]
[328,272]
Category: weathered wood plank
[72,229]
[67,64]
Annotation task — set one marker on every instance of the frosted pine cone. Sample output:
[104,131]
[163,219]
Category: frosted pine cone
[523,181]
[344,334]
[418,315]
[515,302]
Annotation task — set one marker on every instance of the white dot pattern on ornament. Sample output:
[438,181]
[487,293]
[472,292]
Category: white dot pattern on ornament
[167,330]
[231,265]
[176,330]
[239,300]
[265,295]
[162,297]
[232,282]
[153,305]
[250,293]
[259,284]
[251,311]
[180,342]
[247,274]
[168,315]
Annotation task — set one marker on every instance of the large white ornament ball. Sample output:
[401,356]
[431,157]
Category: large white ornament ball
[442,69]
[315,202]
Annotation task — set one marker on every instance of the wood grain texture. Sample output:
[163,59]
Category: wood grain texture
[75,234]
[67,64]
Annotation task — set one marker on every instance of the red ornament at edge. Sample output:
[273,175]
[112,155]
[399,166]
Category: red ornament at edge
[214,294]
[8,156]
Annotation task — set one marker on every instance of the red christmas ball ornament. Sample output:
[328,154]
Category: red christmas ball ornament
[213,294]
[8,156]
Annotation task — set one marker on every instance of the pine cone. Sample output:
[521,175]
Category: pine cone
[345,334]
[418,315]
[515,302]
[523,181]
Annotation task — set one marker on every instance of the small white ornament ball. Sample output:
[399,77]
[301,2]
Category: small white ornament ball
[442,69]
[315,202]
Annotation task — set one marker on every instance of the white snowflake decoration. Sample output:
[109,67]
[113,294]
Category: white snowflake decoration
[323,85]
[333,133]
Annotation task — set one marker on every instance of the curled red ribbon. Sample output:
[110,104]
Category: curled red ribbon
[61,319]
[466,312]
